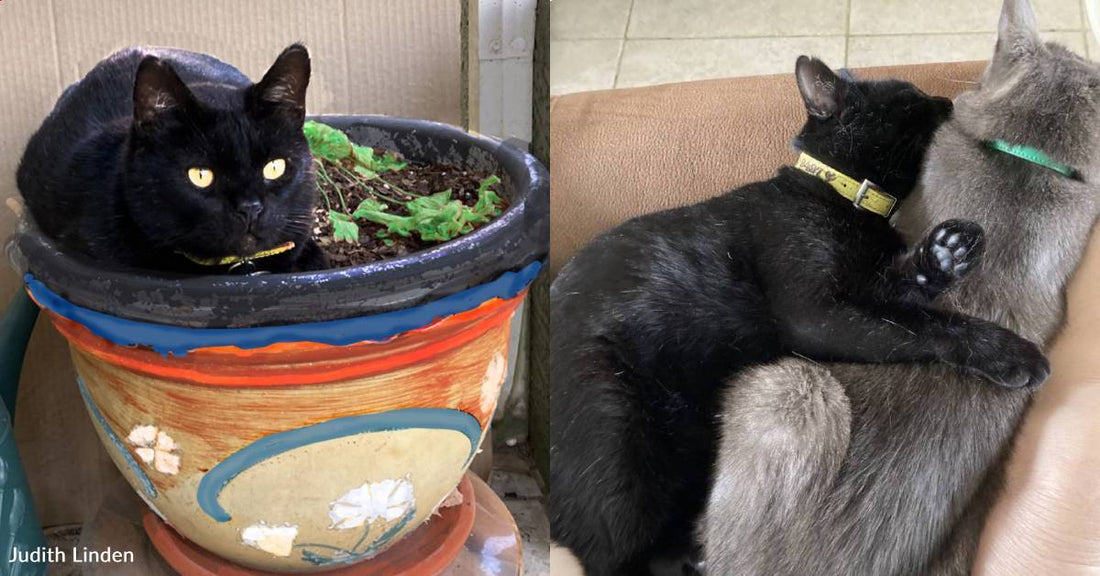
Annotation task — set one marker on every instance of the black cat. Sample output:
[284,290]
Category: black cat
[165,159]
[652,317]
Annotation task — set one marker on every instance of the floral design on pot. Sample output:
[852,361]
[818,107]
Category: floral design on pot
[388,499]
[388,505]
[277,540]
[155,448]
[492,382]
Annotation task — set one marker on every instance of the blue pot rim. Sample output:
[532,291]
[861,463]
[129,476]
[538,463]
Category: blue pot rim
[179,340]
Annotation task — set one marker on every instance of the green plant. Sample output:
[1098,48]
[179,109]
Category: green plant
[434,217]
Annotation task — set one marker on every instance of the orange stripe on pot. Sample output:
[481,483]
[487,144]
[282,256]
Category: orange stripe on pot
[243,415]
[299,363]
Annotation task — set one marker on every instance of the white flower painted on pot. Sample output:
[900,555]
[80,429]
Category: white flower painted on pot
[155,447]
[492,381]
[388,499]
[277,540]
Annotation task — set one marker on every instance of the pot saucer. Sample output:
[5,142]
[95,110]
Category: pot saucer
[427,551]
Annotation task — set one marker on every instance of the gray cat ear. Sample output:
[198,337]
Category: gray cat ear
[286,82]
[822,90]
[1018,31]
[158,90]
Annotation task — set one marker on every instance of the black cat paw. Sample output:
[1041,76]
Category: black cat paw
[311,258]
[1008,360]
[949,253]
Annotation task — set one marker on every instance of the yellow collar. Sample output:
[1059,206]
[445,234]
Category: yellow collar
[865,195]
[224,260]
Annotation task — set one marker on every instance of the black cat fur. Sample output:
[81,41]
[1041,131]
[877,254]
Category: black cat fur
[106,175]
[650,319]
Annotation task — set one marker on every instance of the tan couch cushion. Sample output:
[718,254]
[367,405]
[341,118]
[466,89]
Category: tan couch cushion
[621,153]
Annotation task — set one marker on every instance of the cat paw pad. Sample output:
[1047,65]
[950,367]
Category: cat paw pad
[953,248]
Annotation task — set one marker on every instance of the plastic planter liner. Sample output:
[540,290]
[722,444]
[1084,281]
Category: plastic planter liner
[298,422]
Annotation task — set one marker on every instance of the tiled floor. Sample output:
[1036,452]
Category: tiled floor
[515,481]
[598,44]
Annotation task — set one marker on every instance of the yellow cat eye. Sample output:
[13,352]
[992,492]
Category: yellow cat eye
[275,169]
[201,177]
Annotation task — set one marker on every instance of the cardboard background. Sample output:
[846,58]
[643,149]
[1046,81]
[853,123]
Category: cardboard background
[395,57]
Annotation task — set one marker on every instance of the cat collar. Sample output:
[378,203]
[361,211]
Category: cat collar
[865,195]
[230,260]
[1033,155]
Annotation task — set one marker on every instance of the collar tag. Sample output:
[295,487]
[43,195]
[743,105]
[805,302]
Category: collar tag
[865,195]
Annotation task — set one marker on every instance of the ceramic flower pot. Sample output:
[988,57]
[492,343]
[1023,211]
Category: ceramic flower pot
[301,422]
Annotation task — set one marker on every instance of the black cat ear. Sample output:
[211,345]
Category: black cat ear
[158,90]
[285,83]
[822,90]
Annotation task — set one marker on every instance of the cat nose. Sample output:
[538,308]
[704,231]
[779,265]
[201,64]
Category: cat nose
[250,209]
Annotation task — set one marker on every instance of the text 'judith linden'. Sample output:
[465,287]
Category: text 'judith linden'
[78,555]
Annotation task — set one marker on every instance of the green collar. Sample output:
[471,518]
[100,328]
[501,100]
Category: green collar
[1035,156]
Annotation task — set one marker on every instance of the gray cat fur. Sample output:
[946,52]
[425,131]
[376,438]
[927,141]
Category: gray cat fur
[890,470]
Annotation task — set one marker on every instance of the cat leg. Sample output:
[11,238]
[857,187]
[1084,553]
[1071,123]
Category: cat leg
[947,254]
[832,472]
[311,257]
[891,332]
[609,506]
[957,554]
[784,436]
[606,516]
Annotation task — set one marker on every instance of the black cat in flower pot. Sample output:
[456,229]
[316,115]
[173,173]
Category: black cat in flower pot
[290,335]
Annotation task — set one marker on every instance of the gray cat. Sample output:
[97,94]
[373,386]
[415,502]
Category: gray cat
[880,470]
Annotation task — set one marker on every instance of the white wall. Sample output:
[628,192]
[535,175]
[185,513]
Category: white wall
[506,53]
